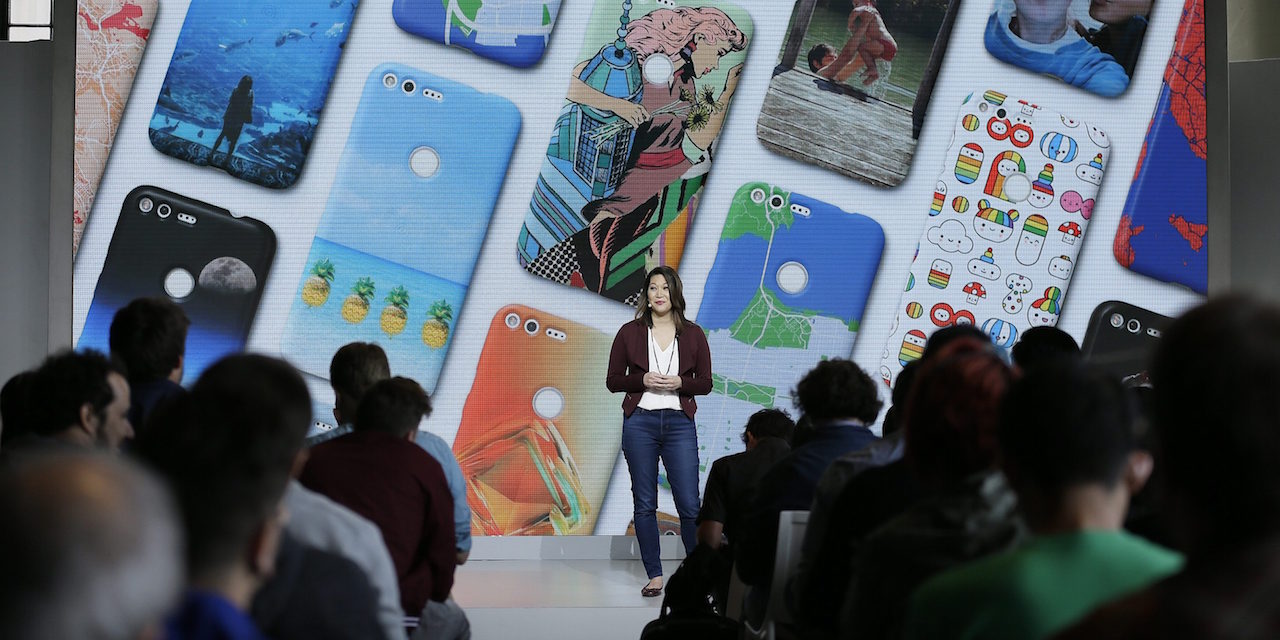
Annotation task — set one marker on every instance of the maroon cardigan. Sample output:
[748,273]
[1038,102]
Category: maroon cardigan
[629,361]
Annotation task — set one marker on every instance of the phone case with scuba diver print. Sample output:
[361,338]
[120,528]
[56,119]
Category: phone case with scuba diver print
[633,143]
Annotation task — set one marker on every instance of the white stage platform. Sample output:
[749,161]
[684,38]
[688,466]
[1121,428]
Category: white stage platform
[581,587]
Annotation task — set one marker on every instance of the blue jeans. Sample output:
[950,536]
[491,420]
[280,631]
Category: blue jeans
[671,435]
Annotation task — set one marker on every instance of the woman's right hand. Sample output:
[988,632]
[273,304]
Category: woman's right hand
[654,381]
[633,113]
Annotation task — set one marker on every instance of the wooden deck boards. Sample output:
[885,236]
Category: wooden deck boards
[870,139]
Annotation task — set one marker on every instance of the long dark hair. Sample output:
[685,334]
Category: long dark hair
[675,293]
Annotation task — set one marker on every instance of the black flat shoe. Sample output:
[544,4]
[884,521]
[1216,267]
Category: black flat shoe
[651,592]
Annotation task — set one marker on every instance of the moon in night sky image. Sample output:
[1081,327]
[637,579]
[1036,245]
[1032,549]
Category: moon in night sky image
[228,275]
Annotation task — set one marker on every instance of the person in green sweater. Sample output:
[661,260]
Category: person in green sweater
[1068,447]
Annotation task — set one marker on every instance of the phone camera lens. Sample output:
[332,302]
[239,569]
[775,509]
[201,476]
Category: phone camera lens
[776,202]
[1000,113]
[164,210]
[408,86]
[1117,320]
[389,80]
[531,327]
[512,320]
[1134,326]
[145,205]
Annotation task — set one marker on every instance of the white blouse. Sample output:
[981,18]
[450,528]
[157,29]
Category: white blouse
[666,362]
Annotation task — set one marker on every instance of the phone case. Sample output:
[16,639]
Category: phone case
[247,83]
[1163,231]
[778,301]
[406,215]
[1100,60]
[842,97]
[513,32]
[110,38]
[540,433]
[1121,338]
[211,263]
[1005,225]
[634,142]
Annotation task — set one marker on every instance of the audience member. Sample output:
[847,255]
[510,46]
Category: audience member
[969,510]
[225,450]
[841,401]
[378,472]
[1042,345]
[1073,470]
[79,400]
[16,407]
[355,368]
[1148,515]
[1216,368]
[732,482]
[90,548]
[149,336]
[314,594]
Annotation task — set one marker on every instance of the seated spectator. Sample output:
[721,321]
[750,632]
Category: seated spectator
[80,401]
[840,400]
[225,450]
[315,594]
[1148,515]
[149,336]
[732,482]
[355,368]
[968,510]
[379,473]
[16,407]
[1074,470]
[1218,366]
[1041,345]
[90,548]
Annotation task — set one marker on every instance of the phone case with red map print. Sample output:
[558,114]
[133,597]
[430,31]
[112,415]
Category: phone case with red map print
[110,38]
[1164,229]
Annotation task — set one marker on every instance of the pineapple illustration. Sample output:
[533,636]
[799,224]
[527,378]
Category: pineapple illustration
[315,291]
[436,330]
[396,314]
[356,306]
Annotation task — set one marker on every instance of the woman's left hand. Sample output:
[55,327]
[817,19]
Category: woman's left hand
[673,383]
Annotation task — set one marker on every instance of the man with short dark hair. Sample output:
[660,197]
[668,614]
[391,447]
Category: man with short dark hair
[78,400]
[90,547]
[1043,345]
[1074,470]
[378,472]
[149,336]
[16,407]
[732,482]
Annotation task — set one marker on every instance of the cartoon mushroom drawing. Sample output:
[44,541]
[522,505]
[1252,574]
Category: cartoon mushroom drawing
[1070,230]
[974,292]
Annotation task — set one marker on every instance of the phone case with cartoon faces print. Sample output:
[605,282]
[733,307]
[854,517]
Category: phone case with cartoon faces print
[1005,225]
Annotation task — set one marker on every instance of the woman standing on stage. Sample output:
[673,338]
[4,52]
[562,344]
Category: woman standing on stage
[661,360]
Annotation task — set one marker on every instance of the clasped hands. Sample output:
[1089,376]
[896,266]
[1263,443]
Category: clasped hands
[658,382]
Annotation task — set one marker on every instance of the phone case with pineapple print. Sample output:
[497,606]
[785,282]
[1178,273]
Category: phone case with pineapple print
[514,32]
[634,142]
[393,256]
[1005,225]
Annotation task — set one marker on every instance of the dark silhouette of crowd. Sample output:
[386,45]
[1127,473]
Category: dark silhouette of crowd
[1014,494]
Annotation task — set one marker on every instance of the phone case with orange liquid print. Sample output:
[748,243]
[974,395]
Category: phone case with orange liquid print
[540,433]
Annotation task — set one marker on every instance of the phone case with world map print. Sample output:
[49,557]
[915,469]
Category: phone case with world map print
[1004,228]
[1163,231]
[778,301]
[513,32]
[110,38]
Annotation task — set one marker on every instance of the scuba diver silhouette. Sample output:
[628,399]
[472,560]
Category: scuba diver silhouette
[239,113]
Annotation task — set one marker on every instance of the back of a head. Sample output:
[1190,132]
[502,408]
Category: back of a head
[1042,345]
[354,369]
[226,450]
[16,406]
[90,548]
[66,382]
[1063,426]
[901,391]
[149,335]
[394,406]
[838,388]
[1216,373]
[770,423]
[953,409]
[942,337]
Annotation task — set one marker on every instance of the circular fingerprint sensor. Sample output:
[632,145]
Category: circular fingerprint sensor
[658,69]
[548,403]
[179,283]
[424,162]
[1017,187]
[793,277]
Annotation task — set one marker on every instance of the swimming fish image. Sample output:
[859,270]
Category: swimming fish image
[292,34]
[232,46]
[184,56]
[334,4]
[336,29]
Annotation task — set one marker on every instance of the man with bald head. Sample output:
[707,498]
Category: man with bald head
[90,548]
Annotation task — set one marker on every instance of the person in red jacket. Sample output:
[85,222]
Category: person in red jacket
[660,360]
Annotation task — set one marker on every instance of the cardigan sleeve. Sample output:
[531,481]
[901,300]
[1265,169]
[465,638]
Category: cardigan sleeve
[617,379]
[698,384]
